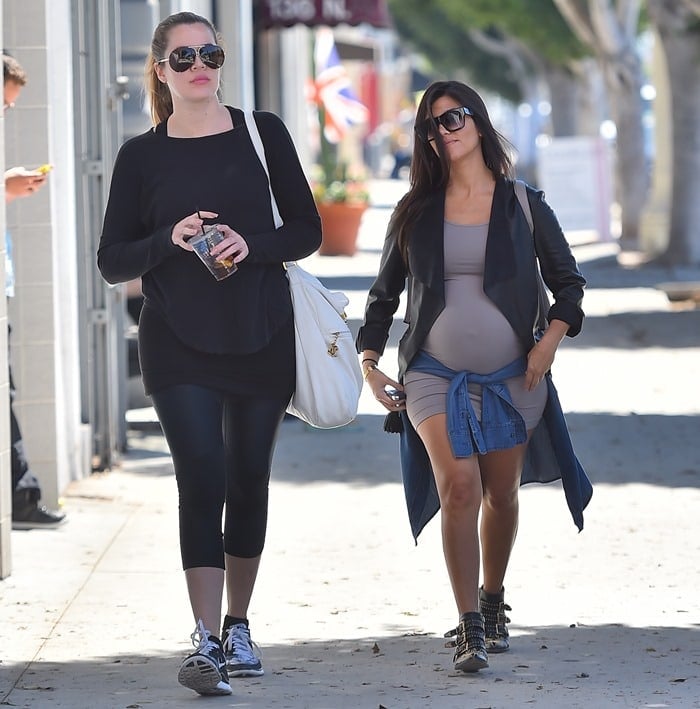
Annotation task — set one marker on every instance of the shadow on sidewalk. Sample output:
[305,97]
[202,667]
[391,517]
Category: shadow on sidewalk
[591,666]
[347,283]
[613,448]
[635,330]
[618,449]
[608,272]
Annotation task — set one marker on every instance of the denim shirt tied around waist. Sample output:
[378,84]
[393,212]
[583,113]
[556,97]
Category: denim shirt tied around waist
[549,455]
[501,424]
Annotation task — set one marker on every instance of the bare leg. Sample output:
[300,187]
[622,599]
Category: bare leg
[240,581]
[205,585]
[500,479]
[459,487]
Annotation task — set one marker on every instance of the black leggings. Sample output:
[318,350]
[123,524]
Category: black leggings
[222,447]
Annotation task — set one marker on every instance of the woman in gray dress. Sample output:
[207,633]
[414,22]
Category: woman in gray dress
[474,362]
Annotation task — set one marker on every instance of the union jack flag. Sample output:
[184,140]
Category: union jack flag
[332,90]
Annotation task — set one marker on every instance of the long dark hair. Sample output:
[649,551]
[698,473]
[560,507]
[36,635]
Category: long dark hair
[430,172]
[158,93]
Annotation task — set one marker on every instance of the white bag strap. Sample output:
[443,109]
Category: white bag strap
[260,150]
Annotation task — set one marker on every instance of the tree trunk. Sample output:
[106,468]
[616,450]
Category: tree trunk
[563,92]
[693,5]
[609,28]
[578,98]
[592,105]
[678,29]
[527,69]
[631,169]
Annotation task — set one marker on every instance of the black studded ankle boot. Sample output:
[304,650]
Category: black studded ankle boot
[469,641]
[494,609]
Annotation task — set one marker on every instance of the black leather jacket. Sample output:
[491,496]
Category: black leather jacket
[510,279]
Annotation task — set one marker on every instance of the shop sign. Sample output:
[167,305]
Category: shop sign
[286,13]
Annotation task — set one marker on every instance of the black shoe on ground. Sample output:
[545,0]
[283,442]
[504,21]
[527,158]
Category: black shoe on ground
[36,516]
[204,671]
[469,642]
[494,609]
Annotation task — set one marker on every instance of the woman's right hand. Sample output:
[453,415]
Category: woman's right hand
[186,228]
[378,382]
[20,182]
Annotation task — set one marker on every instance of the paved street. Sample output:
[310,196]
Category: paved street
[348,612]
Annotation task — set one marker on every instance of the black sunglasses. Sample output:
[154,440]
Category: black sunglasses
[450,120]
[182,58]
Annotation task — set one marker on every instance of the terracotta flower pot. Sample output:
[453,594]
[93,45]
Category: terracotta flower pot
[341,224]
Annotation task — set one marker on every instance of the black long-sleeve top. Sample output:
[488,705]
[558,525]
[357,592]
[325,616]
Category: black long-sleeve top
[158,180]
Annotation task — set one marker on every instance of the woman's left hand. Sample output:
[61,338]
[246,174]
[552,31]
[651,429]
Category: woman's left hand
[233,245]
[539,362]
[541,357]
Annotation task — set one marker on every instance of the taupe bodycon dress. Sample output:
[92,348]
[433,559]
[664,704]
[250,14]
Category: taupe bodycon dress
[469,334]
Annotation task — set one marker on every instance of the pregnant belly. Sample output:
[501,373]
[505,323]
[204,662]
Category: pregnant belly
[471,333]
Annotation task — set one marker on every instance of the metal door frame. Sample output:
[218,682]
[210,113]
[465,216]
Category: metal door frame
[98,134]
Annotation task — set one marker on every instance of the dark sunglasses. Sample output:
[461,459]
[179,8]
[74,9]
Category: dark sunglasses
[182,58]
[451,121]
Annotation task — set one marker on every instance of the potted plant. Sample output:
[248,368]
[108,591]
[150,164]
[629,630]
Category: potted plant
[341,197]
[341,200]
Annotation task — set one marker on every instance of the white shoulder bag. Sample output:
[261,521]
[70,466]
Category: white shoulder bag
[328,376]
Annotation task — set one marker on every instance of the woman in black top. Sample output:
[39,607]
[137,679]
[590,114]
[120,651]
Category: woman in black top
[217,357]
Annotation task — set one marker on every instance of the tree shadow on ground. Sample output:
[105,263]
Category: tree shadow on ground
[619,449]
[347,283]
[668,329]
[613,449]
[624,331]
[607,272]
[557,666]
[604,272]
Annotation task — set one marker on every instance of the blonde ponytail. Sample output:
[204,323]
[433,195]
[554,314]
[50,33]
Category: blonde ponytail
[160,102]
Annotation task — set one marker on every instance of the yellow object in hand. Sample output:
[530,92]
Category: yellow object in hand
[43,169]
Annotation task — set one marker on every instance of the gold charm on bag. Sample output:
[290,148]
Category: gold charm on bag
[333,348]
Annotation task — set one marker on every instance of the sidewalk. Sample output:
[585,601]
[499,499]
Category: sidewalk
[348,611]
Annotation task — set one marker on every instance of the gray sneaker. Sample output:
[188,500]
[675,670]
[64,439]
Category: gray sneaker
[242,654]
[204,670]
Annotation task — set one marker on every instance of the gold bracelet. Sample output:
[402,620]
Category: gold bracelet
[368,370]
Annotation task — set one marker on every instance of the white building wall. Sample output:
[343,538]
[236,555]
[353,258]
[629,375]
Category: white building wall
[5,486]
[43,314]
